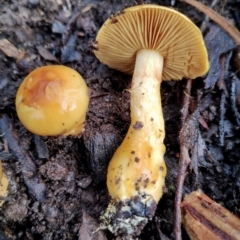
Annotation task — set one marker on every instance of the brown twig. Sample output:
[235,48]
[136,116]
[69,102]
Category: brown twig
[186,102]
[183,164]
[184,150]
[223,23]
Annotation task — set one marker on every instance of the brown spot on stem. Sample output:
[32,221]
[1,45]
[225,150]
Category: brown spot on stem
[146,181]
[117,181]
[137,159]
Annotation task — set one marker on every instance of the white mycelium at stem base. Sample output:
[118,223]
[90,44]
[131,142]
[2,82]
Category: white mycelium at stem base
[137,170]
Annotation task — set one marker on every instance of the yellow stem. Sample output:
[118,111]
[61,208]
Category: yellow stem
[136,173]
[137,166]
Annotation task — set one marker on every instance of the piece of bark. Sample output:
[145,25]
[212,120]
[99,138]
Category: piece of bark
[203,219]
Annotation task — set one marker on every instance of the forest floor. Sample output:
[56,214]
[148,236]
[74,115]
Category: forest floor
[67,194]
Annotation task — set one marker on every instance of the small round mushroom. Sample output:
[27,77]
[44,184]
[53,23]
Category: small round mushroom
[153,43]
[53,100]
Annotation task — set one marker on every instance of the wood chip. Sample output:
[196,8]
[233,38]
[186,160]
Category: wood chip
[203,219]
[9,49]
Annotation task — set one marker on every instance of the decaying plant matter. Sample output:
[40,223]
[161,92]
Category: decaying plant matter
[203,218]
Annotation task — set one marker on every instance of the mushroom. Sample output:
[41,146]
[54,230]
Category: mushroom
[53,100]
[153,43]
[3,185]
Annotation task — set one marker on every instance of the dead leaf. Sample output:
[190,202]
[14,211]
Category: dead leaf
[9,49]
[88,229]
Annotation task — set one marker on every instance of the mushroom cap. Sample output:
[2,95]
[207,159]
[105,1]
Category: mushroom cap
[163,29]
[53,100]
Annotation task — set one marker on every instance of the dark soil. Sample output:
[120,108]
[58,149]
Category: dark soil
[57,185]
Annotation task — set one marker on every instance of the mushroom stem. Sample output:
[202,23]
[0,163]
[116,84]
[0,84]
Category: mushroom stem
[137,170]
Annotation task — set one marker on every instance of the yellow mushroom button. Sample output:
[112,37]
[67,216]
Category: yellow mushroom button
[53,100]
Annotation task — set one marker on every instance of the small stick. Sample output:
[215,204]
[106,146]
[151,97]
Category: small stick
[221,21]
[184,151]
[186,102]
[183,164]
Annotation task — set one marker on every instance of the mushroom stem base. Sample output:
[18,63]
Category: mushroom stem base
[127,218]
